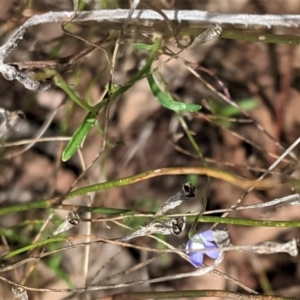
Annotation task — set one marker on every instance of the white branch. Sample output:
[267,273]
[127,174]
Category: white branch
[173,15]
[10,73]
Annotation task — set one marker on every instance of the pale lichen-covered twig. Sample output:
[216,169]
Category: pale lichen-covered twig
[72,220]
[8,119]
[172,15]
[20,293]
[198,272]
[10,73]
[187,191]
[171,226]
[266,248]
[293,199]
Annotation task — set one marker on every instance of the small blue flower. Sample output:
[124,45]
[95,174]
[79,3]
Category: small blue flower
[201,241]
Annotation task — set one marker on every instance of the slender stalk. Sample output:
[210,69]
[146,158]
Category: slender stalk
[195,293]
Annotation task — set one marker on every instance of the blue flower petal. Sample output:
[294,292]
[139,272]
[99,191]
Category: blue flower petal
[214,254]
[188,245]
[196,258]
[202,241]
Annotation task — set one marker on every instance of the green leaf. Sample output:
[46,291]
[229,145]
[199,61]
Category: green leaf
[79,136]
[146,47]
[165,98]
[231,111]
[33,246]
[90,119]
[59,81]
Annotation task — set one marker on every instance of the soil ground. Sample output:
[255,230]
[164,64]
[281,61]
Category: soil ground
[143,135]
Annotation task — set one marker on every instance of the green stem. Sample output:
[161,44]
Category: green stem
[60,82]
[33,246]
[193,229]
[144,71]
[252,223]
[233,34]
[213,172]
[126,212]
[196,293]
[251,36]
[90,119]
[201,219]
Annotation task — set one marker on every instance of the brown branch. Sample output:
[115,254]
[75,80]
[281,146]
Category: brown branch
[54,63]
